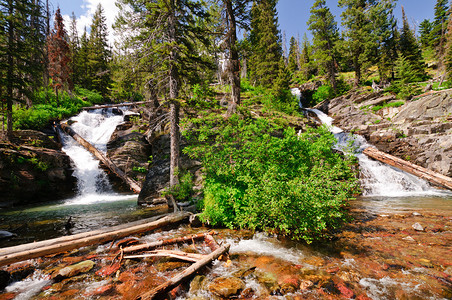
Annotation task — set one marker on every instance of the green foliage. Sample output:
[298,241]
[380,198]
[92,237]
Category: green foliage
[139,169]
[390,104]
[324,92]
[46,110]
[203,96]
[259,177]
[184,190]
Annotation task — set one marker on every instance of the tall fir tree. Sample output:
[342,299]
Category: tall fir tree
[358,33]
[265,43]
[294,55]
[74,45]
[448,53]
[325,36]
[409,48]
[59,55]
[99,54]
[169,34]
[235,15]
[425,34]
[306,61]
[18,52]
[438,32]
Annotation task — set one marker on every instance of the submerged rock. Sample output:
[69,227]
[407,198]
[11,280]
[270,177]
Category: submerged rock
[73,270]
[417,227]
[226,287]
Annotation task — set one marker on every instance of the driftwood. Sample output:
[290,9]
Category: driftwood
[211,242]
[179,278]
[152,245]
[107,162]
[115,105]
[191,257]
[433,177]
[28,251]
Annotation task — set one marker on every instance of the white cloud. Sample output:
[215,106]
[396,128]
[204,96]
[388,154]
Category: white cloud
[85,20]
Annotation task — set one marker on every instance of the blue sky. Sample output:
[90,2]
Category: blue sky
[293,14]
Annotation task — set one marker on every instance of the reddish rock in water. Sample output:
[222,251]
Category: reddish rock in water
[102,291]
[108,270]
[226,287]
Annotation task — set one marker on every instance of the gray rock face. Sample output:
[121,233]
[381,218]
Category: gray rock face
[33,170]
[419,131]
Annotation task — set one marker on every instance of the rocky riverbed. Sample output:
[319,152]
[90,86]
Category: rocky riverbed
[377,256]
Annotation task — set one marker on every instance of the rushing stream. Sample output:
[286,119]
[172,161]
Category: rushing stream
[379,256]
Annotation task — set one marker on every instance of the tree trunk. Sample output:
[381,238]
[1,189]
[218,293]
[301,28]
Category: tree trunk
[357,67]
[234,65]
[9,76]
[184,275]
[118,172]
[174,105]
[28,251]
[431,176]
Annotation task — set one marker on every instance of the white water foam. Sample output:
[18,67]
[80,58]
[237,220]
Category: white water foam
[378,179]
[96,127]
[29,287]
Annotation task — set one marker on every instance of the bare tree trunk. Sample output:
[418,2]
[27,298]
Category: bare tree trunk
[234,65]
[174,105]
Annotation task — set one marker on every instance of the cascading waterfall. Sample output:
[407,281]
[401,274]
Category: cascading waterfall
[96,127]
[377,179]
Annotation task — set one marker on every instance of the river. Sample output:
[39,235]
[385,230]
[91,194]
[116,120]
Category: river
[378,256]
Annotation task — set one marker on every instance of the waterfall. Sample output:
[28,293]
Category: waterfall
[96,127]
[377,179]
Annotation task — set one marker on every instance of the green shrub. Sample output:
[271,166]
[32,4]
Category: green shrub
[203,96]
[184,190]
[293,185]
[324,92]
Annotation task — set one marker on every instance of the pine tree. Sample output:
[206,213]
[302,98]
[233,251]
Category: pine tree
[82,62]
[18,47]
[439,26]
[59,55]
[409,48]
[358,33]
[425,32]
[169,35]
[325,36]
[99,53]
[74,45]
[294,54]
[235,15]
[307,64]
[448,54]
[265,42]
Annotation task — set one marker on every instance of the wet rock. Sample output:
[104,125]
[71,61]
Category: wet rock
[344,290]
[247,293]
[226,287]
[198,283]
[170,266]
[108,270]
[244,272]
[416,214]
[305,284]
[417,227]
[314,261]
[289,284]
[5,277]
[73,270]
[195,221]
[269,281]
[102,291]
[409,239]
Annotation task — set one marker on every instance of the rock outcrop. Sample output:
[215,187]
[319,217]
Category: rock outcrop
[33,169]
[419,131]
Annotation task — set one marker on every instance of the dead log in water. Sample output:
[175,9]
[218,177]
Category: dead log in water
[107,162]
[28,251]
[184,275]
[431,176]
[155,244]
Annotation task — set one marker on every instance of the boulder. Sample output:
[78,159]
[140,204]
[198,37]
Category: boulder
[73,270]
[226,287]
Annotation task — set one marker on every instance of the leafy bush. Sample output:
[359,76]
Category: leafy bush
[258,177]
[324,92]
[203,96]
[184,190]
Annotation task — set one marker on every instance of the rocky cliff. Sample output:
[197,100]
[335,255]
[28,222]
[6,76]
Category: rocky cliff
[418,130]
[33,169]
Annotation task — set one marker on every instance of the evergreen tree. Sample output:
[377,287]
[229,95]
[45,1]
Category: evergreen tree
[18,47]
[99,54]
[281,85]
[82,62]
[409,48]
[265,42]
[74,45]
[294,54]
[448,54]
[325,36]
[425,31]
[385,36]
[358,33]
[235,15]
[59,56]
[439,26]
[169,33]
[307,63]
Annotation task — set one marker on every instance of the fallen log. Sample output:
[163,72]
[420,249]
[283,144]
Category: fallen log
[156,244]
[191,257]
[179,278]
[33,252]
[107,162]
[115,105]
[431,176]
